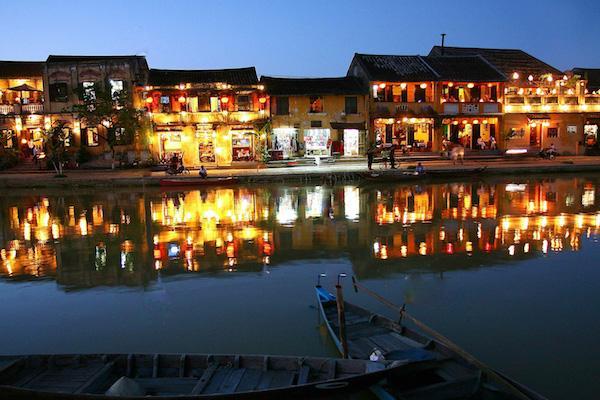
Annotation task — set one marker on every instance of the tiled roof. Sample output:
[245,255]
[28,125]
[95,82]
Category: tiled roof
[309,86]
[592,75]
[237,76]
[59,58]
[464,68]
[21,69]
[393,68]
[506,60]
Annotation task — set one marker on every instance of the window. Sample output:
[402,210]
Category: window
[316,104]
[116,89]
[120,136]
[420,94]
[91,136]
[203,103]
[214,104]
[351,106]
[243,103]
[6,137]
[572,129]
[88,91]
[282,104]
[553,132]
[58,92]
[316,124]
[66,136]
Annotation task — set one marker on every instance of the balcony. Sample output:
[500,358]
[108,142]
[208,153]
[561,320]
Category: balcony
[389,109]
[451,108]
[6,109]
[32,108]
[551,103]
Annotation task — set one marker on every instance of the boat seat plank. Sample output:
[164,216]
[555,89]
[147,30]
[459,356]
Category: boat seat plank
[282,379]
[388,342]
[408,341]
[96,379]
[363,346]
[249,381]
[220,375]
[204,379]
[303,375]
[265,380]
[232,381]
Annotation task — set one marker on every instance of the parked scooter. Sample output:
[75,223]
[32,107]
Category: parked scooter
[176,166]
[549,152]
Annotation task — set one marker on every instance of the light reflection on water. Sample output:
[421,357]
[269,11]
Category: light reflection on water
[432,246]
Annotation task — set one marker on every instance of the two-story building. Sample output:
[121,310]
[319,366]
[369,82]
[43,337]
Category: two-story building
[68,78]
[21,104]
[317,117]
[402,99]
[207,117]
[542,105]
[469,109]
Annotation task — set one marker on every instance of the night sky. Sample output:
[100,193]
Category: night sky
[296,38]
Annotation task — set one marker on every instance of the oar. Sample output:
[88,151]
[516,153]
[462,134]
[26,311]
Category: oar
[444,340]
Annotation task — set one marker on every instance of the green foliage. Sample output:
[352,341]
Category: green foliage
[54,146]
[8,158]
[262,132]
[83,155]
[114,111]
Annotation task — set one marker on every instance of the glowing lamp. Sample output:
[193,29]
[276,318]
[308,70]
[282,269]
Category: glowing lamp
[485,121]
[565,78]
[23,141]
[182,99]
[550,79]
[224,100]
[530,78]
[149,100]
[382,86]
[454,122]
[475,121]
[423,86]
[450,84]
[470,85]
[515,75]
[464,121]
[262,100]
[403,86]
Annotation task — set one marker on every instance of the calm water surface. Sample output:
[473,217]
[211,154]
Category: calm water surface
[507,268]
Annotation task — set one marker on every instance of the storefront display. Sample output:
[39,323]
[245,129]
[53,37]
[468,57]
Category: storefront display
[242,145]
[471,133]
[590,134]
[317,142]
[170,144]
[414,134]
[351,138]
[205,136]
[285,140]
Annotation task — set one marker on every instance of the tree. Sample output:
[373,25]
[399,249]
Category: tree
[111,109]
[55,146]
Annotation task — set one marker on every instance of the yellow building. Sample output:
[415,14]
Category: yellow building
[21,103]
[206,117]
[317,117]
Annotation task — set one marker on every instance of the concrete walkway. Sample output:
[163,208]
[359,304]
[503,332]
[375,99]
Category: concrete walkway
[347,170]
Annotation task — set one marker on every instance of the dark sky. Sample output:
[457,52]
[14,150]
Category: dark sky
[296,38]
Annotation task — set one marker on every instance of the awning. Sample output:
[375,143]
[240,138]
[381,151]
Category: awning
[538,116]
[348,125]
[24,88]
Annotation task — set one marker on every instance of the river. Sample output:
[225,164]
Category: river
[506,267]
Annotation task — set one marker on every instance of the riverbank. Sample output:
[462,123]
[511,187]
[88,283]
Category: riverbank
[323,173]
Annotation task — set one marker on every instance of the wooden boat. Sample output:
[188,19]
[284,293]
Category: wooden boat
[199,181]
[181,377]
[433,370]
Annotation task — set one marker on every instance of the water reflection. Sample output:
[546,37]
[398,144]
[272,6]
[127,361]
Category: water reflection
[131,238]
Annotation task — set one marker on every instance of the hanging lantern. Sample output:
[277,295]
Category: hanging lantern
[515,75]
[470,85]
[423,86]
[382,86]
[530,78]
[224,100]
[182,99]
[450,84]
[149,100]
[403,86]
[262,100]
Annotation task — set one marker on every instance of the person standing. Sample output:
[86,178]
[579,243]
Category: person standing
[370,157]
[392,157]
[493,145]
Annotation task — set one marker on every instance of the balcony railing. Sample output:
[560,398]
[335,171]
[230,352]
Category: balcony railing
[7,109]
[32,108]
[451,108]
[388,109]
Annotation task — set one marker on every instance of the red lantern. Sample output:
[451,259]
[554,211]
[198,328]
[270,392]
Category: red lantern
[149,100]
[224,100]
[262,100]
[182,99]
